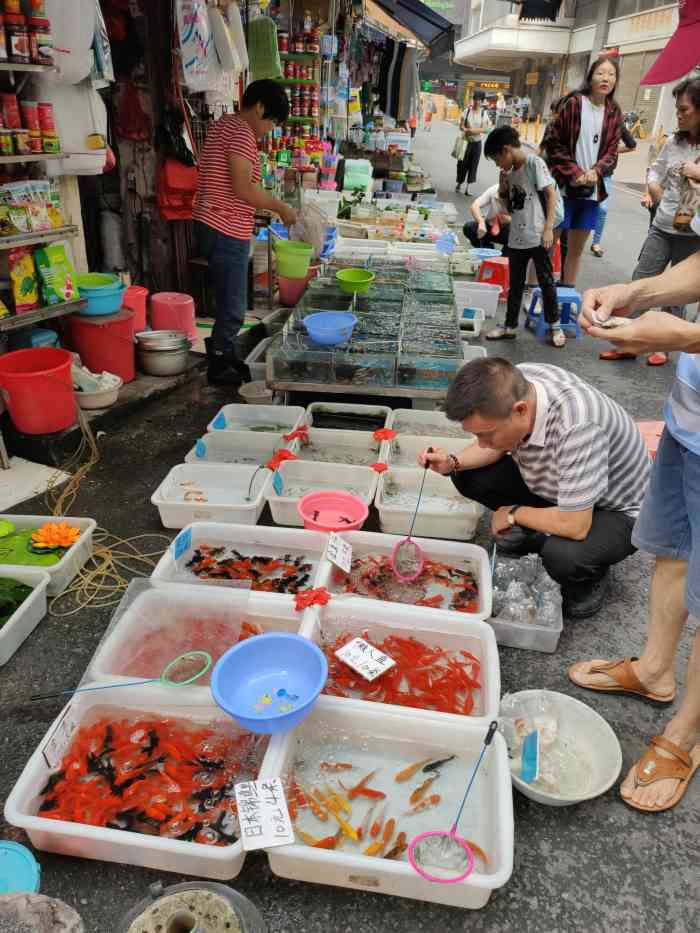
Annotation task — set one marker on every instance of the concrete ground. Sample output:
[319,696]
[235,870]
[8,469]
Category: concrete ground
[596,867]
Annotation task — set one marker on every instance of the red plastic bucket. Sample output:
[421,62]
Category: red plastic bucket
[291,290]
[37,389]
[135,300]
[173,311]
[104,344]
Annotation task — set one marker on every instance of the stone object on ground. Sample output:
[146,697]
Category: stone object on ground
[36,913]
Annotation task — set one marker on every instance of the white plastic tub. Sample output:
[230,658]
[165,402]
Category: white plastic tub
[311,477]
[459,523]
[261,419]
[114,845]
[255,361]
[261,540]
[472,353]
[403,450]
[391,736]
[452,631]
[350,408]
[61,573]
[224,488]
[237,447]
[471,325]
[525,635]
[469,557]
[26,617]
[424,423]
[326,445]
[477,295]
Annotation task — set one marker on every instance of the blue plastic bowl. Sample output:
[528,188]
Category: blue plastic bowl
[483,253]
[329,328]
[102,302]
[269,683]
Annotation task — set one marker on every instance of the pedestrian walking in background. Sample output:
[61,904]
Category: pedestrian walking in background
[428,112]
[474,123]
[627,144]
[670,240]
[582,150]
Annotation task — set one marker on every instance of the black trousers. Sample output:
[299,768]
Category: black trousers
[466,167]
[568,562]
[517,261]
[470,232]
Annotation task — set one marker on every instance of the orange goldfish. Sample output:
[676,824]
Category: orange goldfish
[421,789]
[431,801]
[411,770]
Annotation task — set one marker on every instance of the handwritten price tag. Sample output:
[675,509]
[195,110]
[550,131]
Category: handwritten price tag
[58,742]
[369,662]
[263,814]
[339,552]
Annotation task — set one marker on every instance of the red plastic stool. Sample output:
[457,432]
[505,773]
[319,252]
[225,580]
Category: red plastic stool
[556,261]
[495,272]
[173,311]
[651,431]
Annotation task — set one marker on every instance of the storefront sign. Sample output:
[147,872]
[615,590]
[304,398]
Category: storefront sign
[532,77]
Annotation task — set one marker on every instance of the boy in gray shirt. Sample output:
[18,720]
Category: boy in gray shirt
[532,200]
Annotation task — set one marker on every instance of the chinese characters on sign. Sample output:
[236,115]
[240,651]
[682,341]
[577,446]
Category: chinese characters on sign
[369,662]
[263,815]
[339,552]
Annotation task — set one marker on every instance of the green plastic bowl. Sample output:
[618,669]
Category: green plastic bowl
[98,280]
[355,281]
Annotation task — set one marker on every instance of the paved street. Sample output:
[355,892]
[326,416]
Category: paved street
[595,868]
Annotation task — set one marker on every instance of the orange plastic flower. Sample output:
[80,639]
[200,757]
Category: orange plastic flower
[379,467]
[55,534]
[301,433]
[280,457]
[318,597]
[384,434]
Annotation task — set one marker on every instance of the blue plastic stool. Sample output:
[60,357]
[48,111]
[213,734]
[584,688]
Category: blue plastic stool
[569,301]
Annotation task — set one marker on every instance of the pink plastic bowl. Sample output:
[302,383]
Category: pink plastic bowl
[324,511]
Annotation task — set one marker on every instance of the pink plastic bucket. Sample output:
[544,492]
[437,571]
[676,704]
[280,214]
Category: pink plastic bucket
[173,311]
[291,290]
[332,510]
[134,299]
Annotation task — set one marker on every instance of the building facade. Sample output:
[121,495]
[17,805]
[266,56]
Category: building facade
[547,59]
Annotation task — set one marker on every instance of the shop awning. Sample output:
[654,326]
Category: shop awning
[430,29]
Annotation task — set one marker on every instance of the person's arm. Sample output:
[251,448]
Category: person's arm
[550,521]
[656,175]
[241,172]
[548,232]
[471,458]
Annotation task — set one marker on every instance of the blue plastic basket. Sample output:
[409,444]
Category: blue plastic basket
[330,328]
[271,682]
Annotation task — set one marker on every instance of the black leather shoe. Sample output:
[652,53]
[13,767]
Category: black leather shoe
[582,600]
[224,368]
[519,542]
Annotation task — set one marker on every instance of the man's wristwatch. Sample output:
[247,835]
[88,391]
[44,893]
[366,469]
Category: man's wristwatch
[511,516]
[455,464]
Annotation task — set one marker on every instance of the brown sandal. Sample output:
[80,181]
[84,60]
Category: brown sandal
[652,768]
[626,681]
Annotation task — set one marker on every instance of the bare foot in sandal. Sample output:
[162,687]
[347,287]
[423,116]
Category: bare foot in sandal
[660,778]
[626,676]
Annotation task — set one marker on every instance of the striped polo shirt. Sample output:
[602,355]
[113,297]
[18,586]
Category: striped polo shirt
[216,204]
[584,449]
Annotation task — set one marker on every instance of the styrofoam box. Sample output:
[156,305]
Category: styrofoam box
[26,617]
[477,295]
[248,417]
[255,361]
[172,605]
[403,450]
[531,637]
[384,731]
[437,424]
[61,573]
[376,411]
[225,486]
[115,845]
[453,631]
[246,447]
[459,525]
[328,445]
[263,540]
[358,480]
[456,553]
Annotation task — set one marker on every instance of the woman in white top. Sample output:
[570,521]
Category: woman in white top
[670,239]
[474,123]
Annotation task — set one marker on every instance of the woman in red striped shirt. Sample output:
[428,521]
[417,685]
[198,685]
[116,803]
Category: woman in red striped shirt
[228,195]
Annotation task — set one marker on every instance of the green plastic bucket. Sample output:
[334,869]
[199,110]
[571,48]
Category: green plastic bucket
[293,258]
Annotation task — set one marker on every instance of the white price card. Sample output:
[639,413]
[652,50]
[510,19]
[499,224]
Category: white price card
[364,658]
[57,744]
[339,552]
[263,815]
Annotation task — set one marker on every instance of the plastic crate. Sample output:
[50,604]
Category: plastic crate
[255,361]
[326,445]
[61,573]
[260,419]
[531,637]
[349,408]
[385,733]
[403,451]
[244,447]
[452,631]
[459,525]
[361,481]
[477,295]
[262,540]
[115,845]
[472,353]
[454,553]
[471,320]
[26,617]
[224,486]
[419,423]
